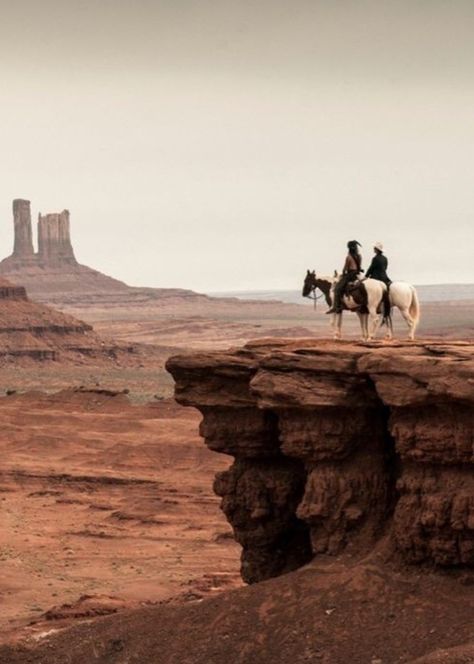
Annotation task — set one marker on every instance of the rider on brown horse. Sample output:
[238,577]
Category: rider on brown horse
[352,268]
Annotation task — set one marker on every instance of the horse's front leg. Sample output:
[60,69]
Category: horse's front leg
[363,325]
[373,323]
[337,325]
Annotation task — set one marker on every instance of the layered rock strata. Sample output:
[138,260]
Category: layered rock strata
[35,331]
[337,446]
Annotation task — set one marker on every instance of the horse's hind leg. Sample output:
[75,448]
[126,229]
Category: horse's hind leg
[410,322]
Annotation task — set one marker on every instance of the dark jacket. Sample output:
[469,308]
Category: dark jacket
[378,268]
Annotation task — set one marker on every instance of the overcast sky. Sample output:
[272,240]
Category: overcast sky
[218,145]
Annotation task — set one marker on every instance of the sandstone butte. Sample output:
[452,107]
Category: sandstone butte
[53,275]
[54,266]
[352,496]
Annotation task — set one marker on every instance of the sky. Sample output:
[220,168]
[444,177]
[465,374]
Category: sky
[231,145]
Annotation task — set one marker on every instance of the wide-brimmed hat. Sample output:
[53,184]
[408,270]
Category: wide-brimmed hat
[379,246]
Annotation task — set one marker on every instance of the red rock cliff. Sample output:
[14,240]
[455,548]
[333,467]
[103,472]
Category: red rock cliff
[339,445]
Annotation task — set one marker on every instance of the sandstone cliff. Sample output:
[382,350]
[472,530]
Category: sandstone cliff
[339,446]
[357,457]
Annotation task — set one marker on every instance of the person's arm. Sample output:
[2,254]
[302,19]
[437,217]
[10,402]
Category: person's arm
[345,269]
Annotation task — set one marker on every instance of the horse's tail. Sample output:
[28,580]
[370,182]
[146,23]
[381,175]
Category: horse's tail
[387,308]
[414,309]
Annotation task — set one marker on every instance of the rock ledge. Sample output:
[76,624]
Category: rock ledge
[337,445]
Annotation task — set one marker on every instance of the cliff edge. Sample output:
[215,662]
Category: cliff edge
[340,446]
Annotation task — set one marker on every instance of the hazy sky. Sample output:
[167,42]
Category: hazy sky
[219,145]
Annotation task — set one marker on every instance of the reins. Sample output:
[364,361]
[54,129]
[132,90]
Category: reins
[314,297]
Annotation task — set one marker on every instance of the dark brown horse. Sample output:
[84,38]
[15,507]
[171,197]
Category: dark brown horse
[312,283]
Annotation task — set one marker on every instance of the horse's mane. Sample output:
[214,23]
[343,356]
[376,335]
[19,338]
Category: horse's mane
[324,277]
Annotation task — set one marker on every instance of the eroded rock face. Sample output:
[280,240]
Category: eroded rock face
[23,243]
[337,445]
[54,239]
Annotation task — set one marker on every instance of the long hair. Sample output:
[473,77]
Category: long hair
[354,252]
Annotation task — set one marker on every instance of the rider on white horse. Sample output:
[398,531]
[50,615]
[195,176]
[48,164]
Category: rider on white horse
[352,268]
[378,266]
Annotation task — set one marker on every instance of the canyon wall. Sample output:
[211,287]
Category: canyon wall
[339,446]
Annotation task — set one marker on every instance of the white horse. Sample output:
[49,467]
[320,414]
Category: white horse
[400,295]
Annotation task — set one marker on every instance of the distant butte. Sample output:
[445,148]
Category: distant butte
[52,275]
[54,266]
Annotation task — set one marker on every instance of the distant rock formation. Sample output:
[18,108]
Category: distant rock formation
[35,331]
[53,276]
[54,240]
[23,243]
[339,445]
[53,270]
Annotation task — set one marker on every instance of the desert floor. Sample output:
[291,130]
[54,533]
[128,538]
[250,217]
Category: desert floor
[107,500]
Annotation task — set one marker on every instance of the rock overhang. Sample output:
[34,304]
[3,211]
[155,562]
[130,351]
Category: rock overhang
[360,439]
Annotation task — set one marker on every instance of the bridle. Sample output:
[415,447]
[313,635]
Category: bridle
[313,296]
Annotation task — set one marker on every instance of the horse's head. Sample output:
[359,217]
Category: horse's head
[324,284]
[309,284]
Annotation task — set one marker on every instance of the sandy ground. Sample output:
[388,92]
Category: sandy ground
[106,502]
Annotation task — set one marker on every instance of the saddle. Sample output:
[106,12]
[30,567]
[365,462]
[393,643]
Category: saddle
[358,292]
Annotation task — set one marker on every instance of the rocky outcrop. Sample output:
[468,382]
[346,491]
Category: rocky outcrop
[337,446]
[9,291]
[35,331]
[54,239]
[23,243]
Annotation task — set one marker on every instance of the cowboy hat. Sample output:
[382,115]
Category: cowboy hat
[379,246]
